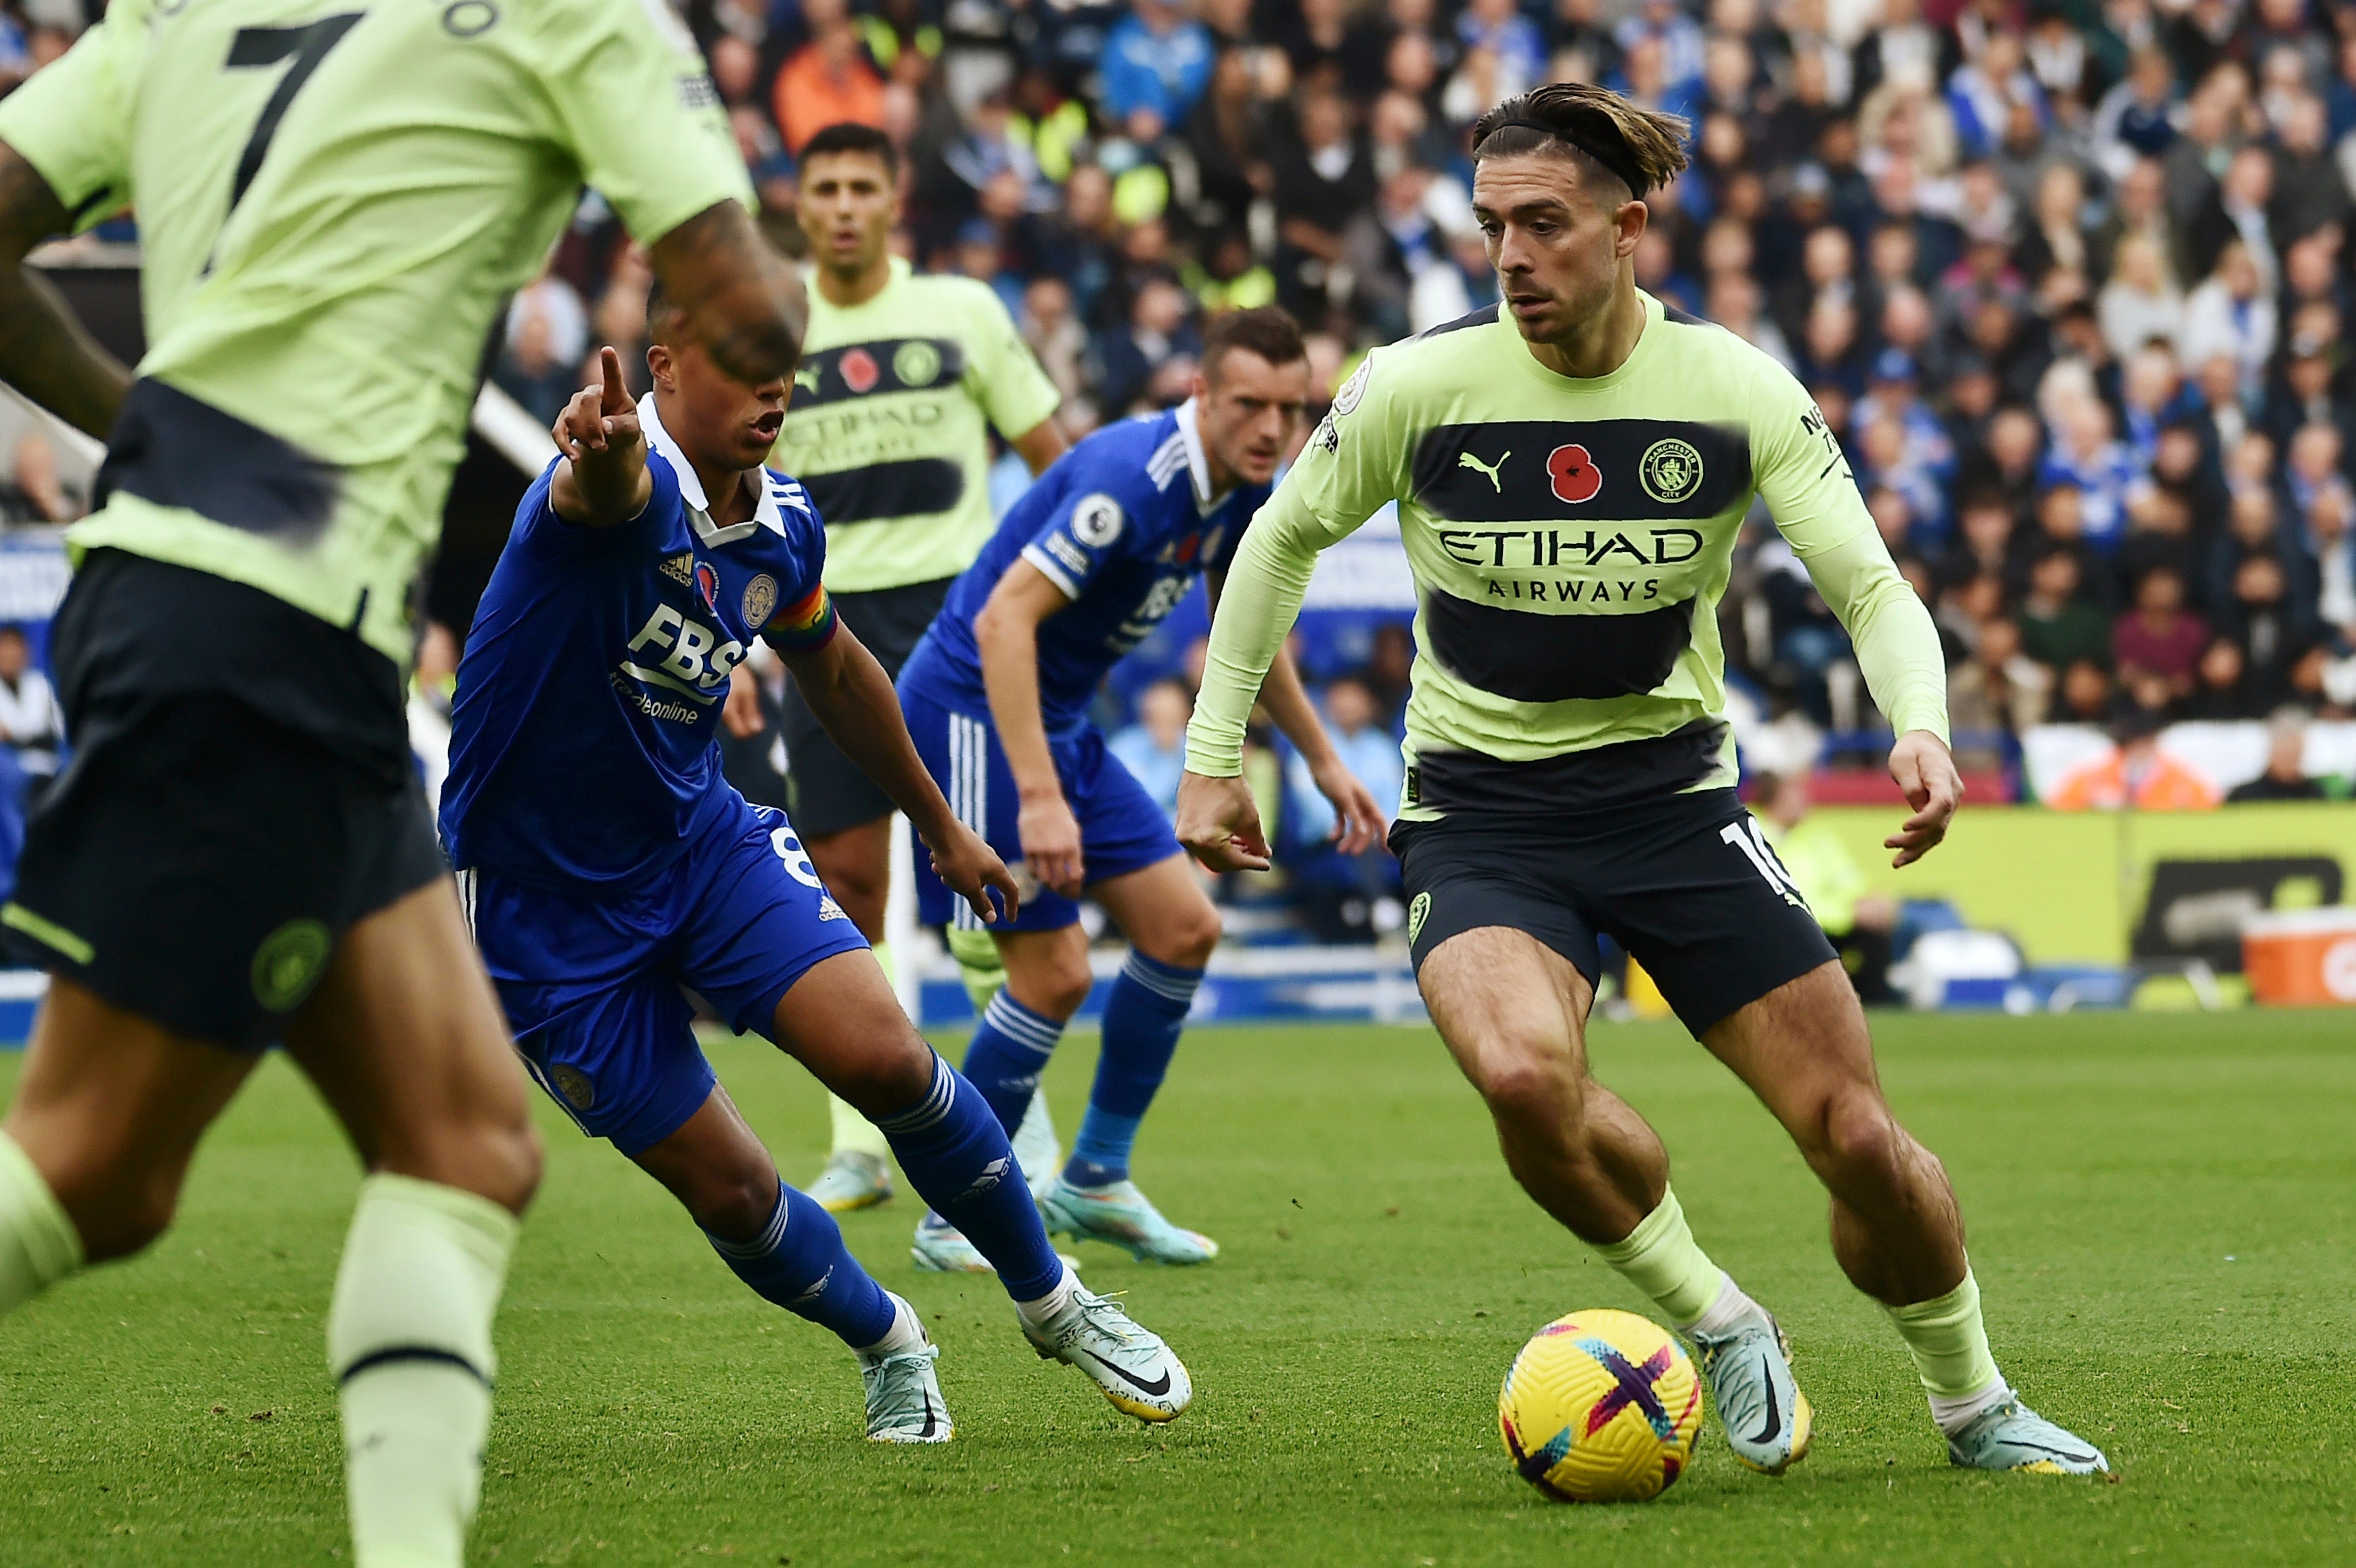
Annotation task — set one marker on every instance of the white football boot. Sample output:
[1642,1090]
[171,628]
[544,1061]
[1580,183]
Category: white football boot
[1139,1374]
[903,1394]
[851,1181]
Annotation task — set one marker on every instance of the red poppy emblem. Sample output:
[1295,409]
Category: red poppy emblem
[1575,477]
[1186,549]
[707,582]
[859,371]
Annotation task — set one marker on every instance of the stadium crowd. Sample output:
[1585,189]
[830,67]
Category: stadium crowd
[2069,278]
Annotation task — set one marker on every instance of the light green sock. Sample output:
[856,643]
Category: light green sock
[409,1340]
[1950,1344]
[854,1133]
[38,1245]
[979,966]
[1661,1258]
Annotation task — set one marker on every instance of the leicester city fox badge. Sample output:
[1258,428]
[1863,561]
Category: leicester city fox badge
[760,601]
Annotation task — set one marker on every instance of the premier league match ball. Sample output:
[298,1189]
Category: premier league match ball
[1600,1407]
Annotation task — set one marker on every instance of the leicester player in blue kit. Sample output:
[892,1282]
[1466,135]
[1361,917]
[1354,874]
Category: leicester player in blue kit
[606,864]
[1087,564]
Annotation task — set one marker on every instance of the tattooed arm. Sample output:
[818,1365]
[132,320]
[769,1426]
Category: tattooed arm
[738,298]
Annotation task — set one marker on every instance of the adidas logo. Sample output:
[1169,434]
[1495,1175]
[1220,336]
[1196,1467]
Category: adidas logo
[828,909]
[991,1174]
[681,568]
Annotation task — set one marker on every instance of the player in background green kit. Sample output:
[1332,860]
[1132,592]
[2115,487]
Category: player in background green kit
[904,377]
[332,207]
[1572,474]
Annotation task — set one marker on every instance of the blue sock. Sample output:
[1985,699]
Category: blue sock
[1006,1054]
[955,1155]
[1142,1021]
[800,1263]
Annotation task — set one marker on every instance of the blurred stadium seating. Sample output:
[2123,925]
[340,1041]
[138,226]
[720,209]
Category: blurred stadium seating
[2071,281]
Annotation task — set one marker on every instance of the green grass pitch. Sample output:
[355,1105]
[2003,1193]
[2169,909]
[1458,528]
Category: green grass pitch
[2163,1209]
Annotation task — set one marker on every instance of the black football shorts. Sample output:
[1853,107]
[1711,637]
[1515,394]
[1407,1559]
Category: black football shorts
[239,794]
[826,791]
[1684,882]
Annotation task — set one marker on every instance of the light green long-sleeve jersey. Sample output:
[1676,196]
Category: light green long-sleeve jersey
[1570,541]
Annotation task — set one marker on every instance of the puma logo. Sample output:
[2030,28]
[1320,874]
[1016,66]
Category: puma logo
[1466,460]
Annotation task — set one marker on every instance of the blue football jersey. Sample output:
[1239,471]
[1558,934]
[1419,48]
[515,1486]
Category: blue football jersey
[584,737]
[1123,523]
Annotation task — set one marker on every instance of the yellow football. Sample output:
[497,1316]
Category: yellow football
[1600,1407]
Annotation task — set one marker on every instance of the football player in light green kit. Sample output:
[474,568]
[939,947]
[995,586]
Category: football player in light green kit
[332,206]
[889,429]
[1571,476]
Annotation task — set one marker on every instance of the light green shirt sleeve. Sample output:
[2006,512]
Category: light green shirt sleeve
[637,110]
[1350,467]
[73,122]
[1005,375]
[1805,481]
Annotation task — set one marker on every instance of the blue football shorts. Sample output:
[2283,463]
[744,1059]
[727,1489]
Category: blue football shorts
[596,986]
[1121,827]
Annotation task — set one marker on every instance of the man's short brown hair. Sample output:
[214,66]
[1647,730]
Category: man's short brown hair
[1266,330]
[1602,132]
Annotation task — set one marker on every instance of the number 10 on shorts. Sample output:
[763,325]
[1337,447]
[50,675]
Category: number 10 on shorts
[1746,837]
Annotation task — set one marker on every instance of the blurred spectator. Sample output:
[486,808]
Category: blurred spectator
[2085,457]
[828,79]
[2285,778]
[35,492]
[1387,672]
[2159,637]
[2232,316]
[1158,335]
[1052,332]
[2139,305]
[1154,748]
[1156,62]
[540,365]
[1324,179]
[32,725]
[1367,746]
[1858,922]
[2135,773]
[2058,626]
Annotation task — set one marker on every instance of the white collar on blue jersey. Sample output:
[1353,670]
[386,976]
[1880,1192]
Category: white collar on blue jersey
[1198,463]
[769,511]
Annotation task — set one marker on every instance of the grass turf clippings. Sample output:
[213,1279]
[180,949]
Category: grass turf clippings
[2163,1214]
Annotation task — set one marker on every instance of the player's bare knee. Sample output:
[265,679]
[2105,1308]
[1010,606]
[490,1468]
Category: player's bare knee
[737,1206]
[1526,1086]
[1055,989]
[892,1075]
[1187,938]
[1859,1142]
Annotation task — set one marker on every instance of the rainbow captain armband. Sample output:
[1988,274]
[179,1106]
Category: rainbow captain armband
[804,626]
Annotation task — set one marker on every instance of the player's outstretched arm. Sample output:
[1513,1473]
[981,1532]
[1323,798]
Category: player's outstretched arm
[1358,819]
[1007,631]
[853,700]
[603,479]
[44,352]
[737,297]
[1905,668]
